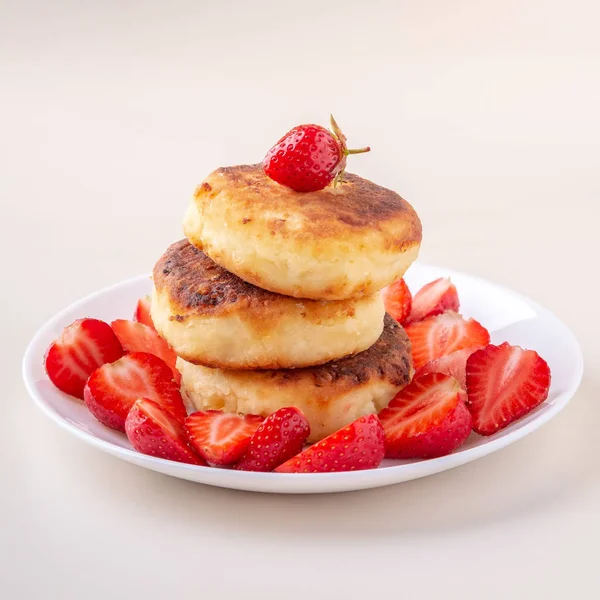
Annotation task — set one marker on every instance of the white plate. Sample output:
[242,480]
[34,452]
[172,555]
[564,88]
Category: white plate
[507,315]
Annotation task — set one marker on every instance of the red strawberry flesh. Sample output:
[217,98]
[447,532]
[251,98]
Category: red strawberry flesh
[434,298]
[82,347]
[142,312]
[454,365]
[444,334]
[221,438]
[153,431]
[112,389]
[137,337]
[398,301]
[426,419]
[504,383]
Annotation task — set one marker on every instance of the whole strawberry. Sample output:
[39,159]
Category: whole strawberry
[309,157]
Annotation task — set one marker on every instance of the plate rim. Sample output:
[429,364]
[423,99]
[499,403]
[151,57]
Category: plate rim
[248,480]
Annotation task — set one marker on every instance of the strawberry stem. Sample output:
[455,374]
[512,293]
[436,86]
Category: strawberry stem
[359,150]
[337,132]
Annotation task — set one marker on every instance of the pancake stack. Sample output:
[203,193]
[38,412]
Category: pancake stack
[274,299]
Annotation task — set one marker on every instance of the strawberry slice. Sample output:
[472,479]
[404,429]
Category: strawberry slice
[426,419]
[398,300]
[433,299]
[443,334]
[137,337]
[504,383]
[112,389]
[360,445]
[82,347]
[453,365]
[221,438]
[142,312]
[152,430]
[278,438]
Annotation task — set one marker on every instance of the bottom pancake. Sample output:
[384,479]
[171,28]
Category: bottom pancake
[331,395]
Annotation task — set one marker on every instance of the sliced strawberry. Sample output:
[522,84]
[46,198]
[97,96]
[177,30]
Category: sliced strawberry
[82,347]
[142,312]
[443,334]
[426,419]
[221,438]
[137,337]
[504,383]
[454,365]
[433,299]
[398,301]
[360,445]
[152,430]
[279,437]
[112,389]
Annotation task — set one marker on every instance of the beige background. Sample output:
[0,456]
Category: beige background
[484,114]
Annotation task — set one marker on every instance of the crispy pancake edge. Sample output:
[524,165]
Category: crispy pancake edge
[357,205]
[388,359]
[197,286]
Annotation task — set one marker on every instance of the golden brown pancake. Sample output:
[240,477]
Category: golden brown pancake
[213,318]
[330,395]
[337,243]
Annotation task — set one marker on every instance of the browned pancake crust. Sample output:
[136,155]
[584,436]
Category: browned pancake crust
[197,286]
[388,359]
[356,205]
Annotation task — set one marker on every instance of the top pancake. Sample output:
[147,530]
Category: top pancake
[336,243]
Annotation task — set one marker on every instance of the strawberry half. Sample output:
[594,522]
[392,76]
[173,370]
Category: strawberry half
[152,430]
[278,438]
[112,389]
[221,438]
[504,383]
[434,298]
[453,365]
[443,334]
[398,301]
[427,419]
[360,445]
[137,337]
[82,347]
[142,312]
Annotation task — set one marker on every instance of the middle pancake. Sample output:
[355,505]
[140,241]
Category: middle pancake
[213,318]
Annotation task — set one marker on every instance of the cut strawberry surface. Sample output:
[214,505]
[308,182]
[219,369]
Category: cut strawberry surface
[221,438]
[454,365]
[142,312]
[137,337]
[444,334]
[398,301]
[82,347]
[504,383]
[278,438]
[153,431]
[360,445]
[434,298]
[112,389]
[426,419]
